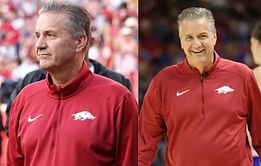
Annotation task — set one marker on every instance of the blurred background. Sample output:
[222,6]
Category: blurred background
[115,29]
[159,43]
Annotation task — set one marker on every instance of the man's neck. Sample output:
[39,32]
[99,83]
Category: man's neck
[61,78]
[202,68]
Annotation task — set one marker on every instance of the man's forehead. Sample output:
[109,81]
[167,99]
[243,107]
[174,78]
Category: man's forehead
[47,30]
[190,21]
[50,22]
[51,18]
[195,25]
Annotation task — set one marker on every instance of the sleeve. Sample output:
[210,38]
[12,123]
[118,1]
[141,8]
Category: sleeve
[254,118]
[14,152]
[31,77]
[151,125]
[127,132]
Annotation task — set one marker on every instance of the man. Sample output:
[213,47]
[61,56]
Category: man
[201,105]
[73,117]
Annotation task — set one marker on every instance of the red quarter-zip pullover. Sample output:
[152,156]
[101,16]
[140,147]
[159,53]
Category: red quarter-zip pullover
[203,118]
[90,121]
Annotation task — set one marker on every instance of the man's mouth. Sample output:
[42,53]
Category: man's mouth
[197,52]
[43,54]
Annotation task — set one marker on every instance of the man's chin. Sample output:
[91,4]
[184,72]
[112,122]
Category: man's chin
[200,54]
[44,66]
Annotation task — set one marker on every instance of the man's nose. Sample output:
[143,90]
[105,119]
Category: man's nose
[40,43]
[196,43]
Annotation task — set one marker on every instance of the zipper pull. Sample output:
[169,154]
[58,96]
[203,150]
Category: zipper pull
[204,75]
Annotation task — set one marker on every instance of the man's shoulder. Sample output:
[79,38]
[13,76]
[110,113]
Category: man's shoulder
[236,70]
[234,66]
[106,90]
[29,91]
[168,71]
[32,88]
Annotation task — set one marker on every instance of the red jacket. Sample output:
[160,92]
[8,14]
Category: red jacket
[91,121]
[204,117]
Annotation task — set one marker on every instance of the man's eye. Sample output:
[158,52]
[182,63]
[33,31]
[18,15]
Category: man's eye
[203,36]
[37,36]
[51,35]
[188,38]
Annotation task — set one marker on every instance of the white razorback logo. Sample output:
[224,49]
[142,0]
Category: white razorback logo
[224,90]
[84,115]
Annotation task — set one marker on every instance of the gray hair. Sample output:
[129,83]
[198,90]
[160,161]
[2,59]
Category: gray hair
[197,13]
[79,22]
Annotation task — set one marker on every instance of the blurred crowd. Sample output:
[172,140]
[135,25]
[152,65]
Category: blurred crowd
[159,41]
[115,29]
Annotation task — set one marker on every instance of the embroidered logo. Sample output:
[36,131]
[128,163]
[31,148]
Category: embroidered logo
[84,115]
[33,119]
[224,90]
[181,93]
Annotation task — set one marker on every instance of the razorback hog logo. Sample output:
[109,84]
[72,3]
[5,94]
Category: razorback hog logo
[84,115]
[224,90]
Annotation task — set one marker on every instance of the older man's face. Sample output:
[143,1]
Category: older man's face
[55,46]
[198,41]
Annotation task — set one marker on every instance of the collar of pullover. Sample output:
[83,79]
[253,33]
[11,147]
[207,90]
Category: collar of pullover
[73,86]
[186,68]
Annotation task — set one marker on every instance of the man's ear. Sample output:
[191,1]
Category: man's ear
[81,43]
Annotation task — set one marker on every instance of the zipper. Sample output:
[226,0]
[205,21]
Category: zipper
[202,96]
[57,117]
